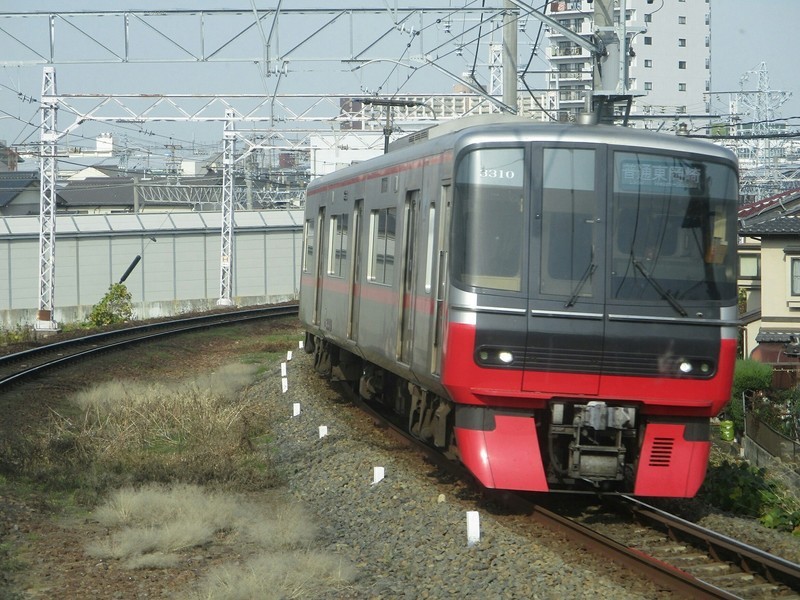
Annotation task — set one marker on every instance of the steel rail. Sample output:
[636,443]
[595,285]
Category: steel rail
[74,348]
[720,547]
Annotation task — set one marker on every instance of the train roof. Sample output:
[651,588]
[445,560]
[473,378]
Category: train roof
[508,128]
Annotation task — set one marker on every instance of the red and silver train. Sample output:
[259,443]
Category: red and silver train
[552,304]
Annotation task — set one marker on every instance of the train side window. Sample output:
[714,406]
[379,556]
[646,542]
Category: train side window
[337,255]
[429,249]
[382,226]
[308,255]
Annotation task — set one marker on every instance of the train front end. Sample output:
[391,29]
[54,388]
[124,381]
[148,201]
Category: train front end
[591,327]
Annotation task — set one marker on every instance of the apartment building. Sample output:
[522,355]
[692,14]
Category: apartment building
[670,66]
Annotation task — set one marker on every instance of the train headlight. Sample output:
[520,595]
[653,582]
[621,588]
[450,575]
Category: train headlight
[505,357]
[494,357]
[695,367]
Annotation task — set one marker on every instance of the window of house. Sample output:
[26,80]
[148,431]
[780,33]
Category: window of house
[648,63]
[648,18]
[681,87]
[648,85]
[795,276]
[750,266]
[681,20]
[681,64]
[648,41]
[682,42]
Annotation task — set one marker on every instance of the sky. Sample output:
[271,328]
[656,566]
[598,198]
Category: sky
[745,33]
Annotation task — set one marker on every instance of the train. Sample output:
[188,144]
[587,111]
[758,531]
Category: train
[552,304]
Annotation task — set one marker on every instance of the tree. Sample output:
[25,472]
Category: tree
[115,307]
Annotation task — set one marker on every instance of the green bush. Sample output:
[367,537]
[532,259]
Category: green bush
[741,489]
[737,488]
[115,307]
[749,376]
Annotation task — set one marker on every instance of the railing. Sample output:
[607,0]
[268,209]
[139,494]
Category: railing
[777,444]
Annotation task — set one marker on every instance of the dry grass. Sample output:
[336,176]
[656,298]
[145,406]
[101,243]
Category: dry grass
[150,527]
[199,431]
[183,470]
[301,574]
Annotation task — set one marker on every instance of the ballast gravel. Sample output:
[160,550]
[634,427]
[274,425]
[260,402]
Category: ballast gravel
[406,535]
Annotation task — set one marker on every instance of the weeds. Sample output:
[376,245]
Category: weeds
[742,489]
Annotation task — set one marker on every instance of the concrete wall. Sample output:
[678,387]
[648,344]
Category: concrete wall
[179,270]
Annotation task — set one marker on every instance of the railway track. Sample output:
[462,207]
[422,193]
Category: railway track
[21,366]
[685,558]
[719,560]
[678,555]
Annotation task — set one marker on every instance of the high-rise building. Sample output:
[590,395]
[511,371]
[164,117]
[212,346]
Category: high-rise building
[670,63]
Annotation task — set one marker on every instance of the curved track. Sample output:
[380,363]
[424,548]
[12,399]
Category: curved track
[20,366]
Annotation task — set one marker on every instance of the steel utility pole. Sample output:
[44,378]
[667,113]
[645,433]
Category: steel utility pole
[510,54]
[610,50]
[47,203]
[226,254]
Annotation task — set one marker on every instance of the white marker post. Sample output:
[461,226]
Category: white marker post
[296,409]
[377,475]
[300,344]
[323,431]
[289,355]
[283,369]
[473,527]
[284,384]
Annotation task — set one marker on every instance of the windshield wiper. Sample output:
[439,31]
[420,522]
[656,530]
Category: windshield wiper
[657,287]
[586,274]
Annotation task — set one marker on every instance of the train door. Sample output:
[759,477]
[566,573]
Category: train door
[355,273]
[408,284]
[319,269]
[566,306]
[441,276]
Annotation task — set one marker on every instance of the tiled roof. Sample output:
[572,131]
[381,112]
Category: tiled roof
[776,215]
[12,183]
[767,204]
[784,224]
[785,336]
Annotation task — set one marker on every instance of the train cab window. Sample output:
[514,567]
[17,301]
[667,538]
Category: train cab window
[569,219]
[382,226]
[670,229]
[308,255]
[488,220]
[337,254]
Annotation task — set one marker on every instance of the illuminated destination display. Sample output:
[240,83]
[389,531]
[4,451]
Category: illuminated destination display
[637,174]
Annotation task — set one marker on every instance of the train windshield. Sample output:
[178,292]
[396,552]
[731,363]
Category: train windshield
[671,229]
[489,225]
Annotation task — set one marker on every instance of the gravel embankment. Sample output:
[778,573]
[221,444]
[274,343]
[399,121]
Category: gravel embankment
[407,534]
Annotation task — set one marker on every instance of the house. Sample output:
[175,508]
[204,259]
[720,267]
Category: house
[769,274]
[19,194]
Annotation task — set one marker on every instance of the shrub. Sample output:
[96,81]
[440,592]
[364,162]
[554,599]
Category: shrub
[115,307]
[742,489]
[750,376]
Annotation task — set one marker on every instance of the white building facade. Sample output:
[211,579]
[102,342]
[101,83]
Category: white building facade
[670,70]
